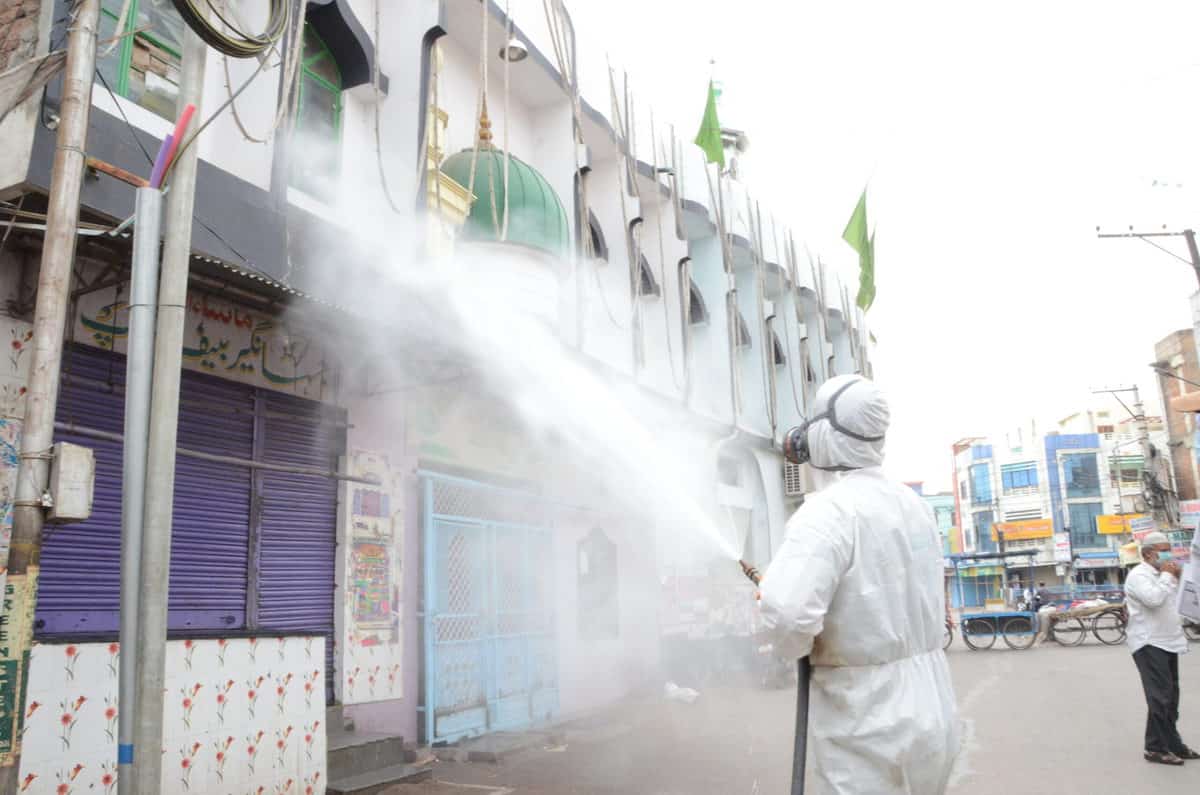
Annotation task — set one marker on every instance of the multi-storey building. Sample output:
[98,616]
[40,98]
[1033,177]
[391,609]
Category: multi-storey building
[1074,482]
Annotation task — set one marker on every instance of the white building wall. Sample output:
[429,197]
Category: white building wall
[540,132]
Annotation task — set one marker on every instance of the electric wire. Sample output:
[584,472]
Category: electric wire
[289,64]
[133,133]
[383,181]
[242,44]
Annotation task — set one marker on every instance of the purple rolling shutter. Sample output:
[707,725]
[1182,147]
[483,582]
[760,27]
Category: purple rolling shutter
[79,585]
[211,536]
[298,525]
[214,519]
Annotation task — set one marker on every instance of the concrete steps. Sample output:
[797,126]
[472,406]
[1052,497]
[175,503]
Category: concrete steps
[377,781]
[365,763]
[495,747]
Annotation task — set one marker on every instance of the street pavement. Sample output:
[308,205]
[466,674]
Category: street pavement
[1046,720]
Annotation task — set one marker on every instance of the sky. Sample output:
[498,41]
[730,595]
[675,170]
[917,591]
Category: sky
[993,141]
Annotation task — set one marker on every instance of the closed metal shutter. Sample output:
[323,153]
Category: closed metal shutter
[210,530]
[218,524]
[297,534]
[79,588]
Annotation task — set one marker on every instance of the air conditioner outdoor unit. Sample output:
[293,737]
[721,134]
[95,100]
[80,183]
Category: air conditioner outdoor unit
[793,480]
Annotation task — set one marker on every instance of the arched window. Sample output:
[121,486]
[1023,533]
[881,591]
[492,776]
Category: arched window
[777,346]
[649,287]
[697,310]
[599,247]
[315,154]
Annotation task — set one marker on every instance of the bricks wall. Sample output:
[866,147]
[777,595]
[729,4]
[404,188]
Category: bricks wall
[1177,354]
[18,30]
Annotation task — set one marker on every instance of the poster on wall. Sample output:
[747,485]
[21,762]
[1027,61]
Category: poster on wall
[371,512]
[372,585]
[1062,547]
[372,661]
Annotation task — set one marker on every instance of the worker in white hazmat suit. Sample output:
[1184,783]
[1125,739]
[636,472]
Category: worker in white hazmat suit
[857,587]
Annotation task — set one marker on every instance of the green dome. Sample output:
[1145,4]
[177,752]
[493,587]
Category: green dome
[535,215]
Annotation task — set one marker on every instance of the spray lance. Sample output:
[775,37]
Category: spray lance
[804,673]
[795,450]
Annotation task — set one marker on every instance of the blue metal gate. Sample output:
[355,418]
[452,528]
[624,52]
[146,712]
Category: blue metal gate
[490,661]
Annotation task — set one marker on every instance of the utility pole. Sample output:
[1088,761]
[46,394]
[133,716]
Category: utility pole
[1188,234]
[1163,514]
[1193,252]
[164,421]
[49,320]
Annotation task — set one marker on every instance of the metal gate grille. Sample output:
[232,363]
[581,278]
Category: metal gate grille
[490,660]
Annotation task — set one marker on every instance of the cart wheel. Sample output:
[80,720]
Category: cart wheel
[948,636]
[1018,633]
[1109,627]
[1071,632]
[979,633]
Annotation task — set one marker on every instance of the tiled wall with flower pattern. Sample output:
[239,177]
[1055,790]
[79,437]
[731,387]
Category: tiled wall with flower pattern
[242,717]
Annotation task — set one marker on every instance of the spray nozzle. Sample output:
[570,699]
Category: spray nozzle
[750,572]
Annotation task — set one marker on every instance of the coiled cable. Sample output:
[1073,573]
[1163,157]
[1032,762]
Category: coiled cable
[195,14]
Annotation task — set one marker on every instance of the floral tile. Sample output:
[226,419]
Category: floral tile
[52,669]
[72,776]
[258,759]
[232,656]
[228,772]
[52,730]
[226,730]
[187,766]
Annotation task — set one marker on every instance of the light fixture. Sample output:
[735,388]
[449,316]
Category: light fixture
[514,51]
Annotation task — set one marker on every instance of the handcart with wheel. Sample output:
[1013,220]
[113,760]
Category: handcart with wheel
[980,629]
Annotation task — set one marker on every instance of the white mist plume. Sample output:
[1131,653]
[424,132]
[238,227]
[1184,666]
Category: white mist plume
[471,311]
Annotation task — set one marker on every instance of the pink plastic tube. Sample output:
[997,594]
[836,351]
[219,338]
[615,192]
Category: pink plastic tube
[177,137]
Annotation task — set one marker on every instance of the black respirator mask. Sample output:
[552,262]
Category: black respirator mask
[795,441]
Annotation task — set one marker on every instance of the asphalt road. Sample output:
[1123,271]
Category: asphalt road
[1047,720]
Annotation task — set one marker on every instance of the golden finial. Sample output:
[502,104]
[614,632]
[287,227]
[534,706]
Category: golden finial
[485,128]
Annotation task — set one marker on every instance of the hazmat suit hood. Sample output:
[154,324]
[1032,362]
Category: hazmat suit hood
[858,407]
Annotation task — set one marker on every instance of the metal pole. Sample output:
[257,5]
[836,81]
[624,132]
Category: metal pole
[164,419]
[1162,516]
[800,748]
[147,234]
[1190,237]
[49,320]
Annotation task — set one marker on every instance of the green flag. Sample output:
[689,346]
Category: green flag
[864,243]
[709,137]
